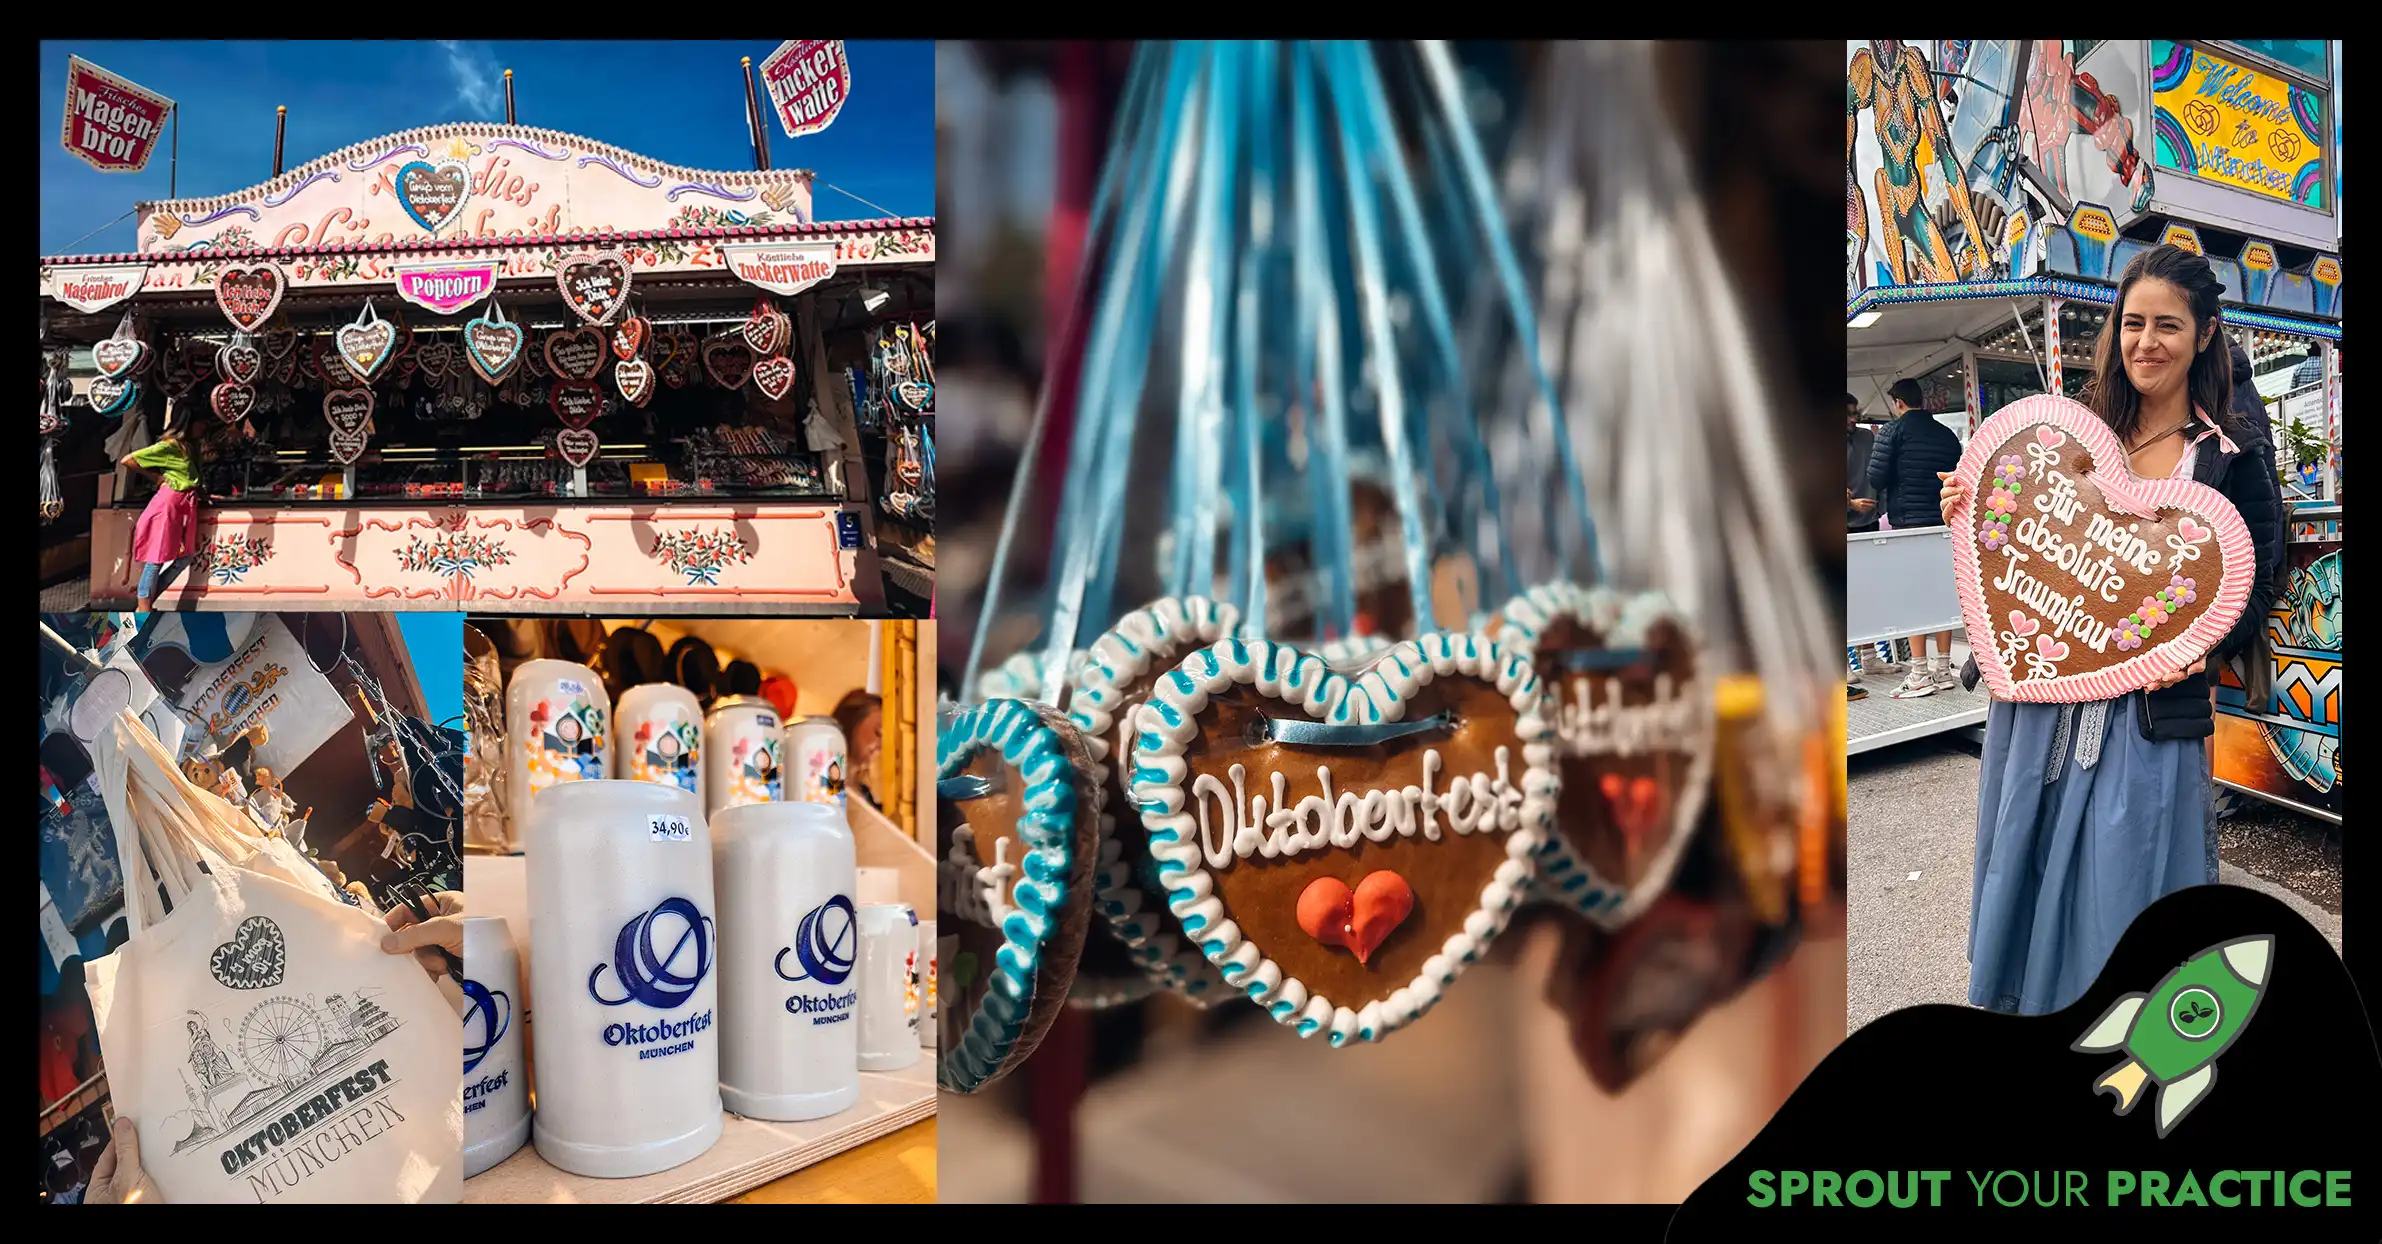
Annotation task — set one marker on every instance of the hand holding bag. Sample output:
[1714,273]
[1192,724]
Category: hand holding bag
[267,1048]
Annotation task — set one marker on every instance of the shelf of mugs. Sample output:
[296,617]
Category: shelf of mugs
[748,1154]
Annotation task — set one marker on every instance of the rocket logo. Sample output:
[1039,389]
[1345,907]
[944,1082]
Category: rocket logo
[2172,1035]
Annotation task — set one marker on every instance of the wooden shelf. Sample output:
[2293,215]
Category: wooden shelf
[750,1153]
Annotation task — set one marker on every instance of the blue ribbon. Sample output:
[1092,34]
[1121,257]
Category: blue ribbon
[962,788]
[1141,88]
[1441,71]
[1319,362]
[1247,564]
[1200,409]
[1292,732]
[1372,284]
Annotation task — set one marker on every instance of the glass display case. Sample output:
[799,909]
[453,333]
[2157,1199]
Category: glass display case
[727,463]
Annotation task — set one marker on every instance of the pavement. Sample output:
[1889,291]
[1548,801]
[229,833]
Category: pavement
[1912,814]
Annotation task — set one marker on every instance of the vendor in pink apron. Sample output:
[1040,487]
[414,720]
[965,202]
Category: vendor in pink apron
[167,534]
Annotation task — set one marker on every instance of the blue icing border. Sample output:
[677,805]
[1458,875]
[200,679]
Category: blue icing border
[1053,794]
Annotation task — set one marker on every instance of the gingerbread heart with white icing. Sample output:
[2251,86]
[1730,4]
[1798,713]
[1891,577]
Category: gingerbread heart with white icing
[232,400]
[2079,580]
[575,353]
[1015,836]
[577,446]
[773,376]
[119,357]
[1109,684]
[1259,770]
[634,378]
[729,361]
[240,362]
[1636,728]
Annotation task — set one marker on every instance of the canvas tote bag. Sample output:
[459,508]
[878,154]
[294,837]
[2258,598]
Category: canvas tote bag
[252,1027]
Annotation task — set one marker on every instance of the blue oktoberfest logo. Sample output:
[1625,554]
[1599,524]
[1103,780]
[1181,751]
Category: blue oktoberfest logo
[826,944]
[486,1019]
[650,975]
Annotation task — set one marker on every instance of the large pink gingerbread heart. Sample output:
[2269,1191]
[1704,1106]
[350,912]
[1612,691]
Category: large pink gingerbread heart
[2106,581]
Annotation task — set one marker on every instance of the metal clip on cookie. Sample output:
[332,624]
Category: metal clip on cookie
[1294,733]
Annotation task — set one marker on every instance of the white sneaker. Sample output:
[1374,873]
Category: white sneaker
[1917,686]
[1946,678]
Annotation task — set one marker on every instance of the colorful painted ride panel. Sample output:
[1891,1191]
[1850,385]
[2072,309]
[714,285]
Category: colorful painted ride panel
[2291,752]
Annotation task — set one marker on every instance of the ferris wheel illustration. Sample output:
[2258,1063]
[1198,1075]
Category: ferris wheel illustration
[279,1041]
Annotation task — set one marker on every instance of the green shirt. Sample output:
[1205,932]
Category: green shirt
[167,459]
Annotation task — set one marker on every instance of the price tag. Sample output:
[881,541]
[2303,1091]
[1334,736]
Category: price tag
[670,829]
[768,722]
[847,530]
[571,686]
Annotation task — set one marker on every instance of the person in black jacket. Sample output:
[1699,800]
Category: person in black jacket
[1903,468]
[2089,813]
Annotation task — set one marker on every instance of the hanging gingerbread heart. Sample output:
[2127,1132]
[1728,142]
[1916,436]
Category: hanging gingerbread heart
[1017,841]
[329,368]
[175,373]
[367,345]
[773,376]
[762,329]
[729,360]
[113,395]
[346,447]
[348,410]
[435,355]
[493,344]
[249,294]
[628,338]
[575,353]
[1362,905]
[595,285]
[577,446]
[402,369]
[576,402]
[284,367]
[1636,727]
[280,340]
[233,400]
[535,363]
[1107,690]
[913,395]
[1630,995]
[119,357]
[240,361]
[634,379]
[433,194]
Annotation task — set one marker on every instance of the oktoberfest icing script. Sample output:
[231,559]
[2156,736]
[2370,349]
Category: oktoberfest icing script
[1473,803]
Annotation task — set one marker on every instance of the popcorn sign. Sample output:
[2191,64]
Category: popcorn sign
[808,81]
[111,124]
[445,288]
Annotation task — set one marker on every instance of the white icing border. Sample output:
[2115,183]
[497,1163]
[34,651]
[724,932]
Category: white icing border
[1158,634]
[1624,620]
[1378,694]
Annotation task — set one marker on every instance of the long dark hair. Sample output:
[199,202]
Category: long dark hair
[2209,386]
[185,431]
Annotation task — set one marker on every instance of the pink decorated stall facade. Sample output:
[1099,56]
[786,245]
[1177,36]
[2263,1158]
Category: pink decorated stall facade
[630,558]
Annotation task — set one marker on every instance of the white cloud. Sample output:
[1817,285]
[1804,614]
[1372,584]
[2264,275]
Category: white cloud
[477,85]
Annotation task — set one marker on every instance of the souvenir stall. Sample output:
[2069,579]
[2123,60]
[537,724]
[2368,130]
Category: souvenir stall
[723,714]
[1350,720]
[496,363]
[895,395]
[2060,160]
[314,727]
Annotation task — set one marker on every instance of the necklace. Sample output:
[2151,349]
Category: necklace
[2180,426]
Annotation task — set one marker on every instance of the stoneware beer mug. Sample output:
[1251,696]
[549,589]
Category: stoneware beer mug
[628,1056]
[495,1089]
[789,950]
[660,729]
[888,947]
[744,742]
[557,730]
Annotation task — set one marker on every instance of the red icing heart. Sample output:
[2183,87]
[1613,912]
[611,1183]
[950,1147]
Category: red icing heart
[1359,920]
[1637,805]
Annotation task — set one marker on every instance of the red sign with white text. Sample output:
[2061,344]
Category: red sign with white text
[808,81]
[111,123]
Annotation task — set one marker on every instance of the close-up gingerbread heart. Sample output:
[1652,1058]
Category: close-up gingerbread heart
[1015,840]
[729,360]
[773,376]
[577,446]
[634,379]
[367,348]
[1636,728]
[575,353]
[240,361]
[2079,580]
[119,356]
[576,402]
[594,286]
[1259,770]
[348,410]
[232,400]
[249,295]
[433,194]
[1107,688]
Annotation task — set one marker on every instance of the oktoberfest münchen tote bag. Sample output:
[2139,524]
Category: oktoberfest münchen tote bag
[252,1027]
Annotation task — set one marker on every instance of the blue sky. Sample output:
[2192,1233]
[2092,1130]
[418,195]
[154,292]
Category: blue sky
[678,102]
[435,643]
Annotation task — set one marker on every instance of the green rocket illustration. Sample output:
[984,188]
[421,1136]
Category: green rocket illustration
[2173,1034]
